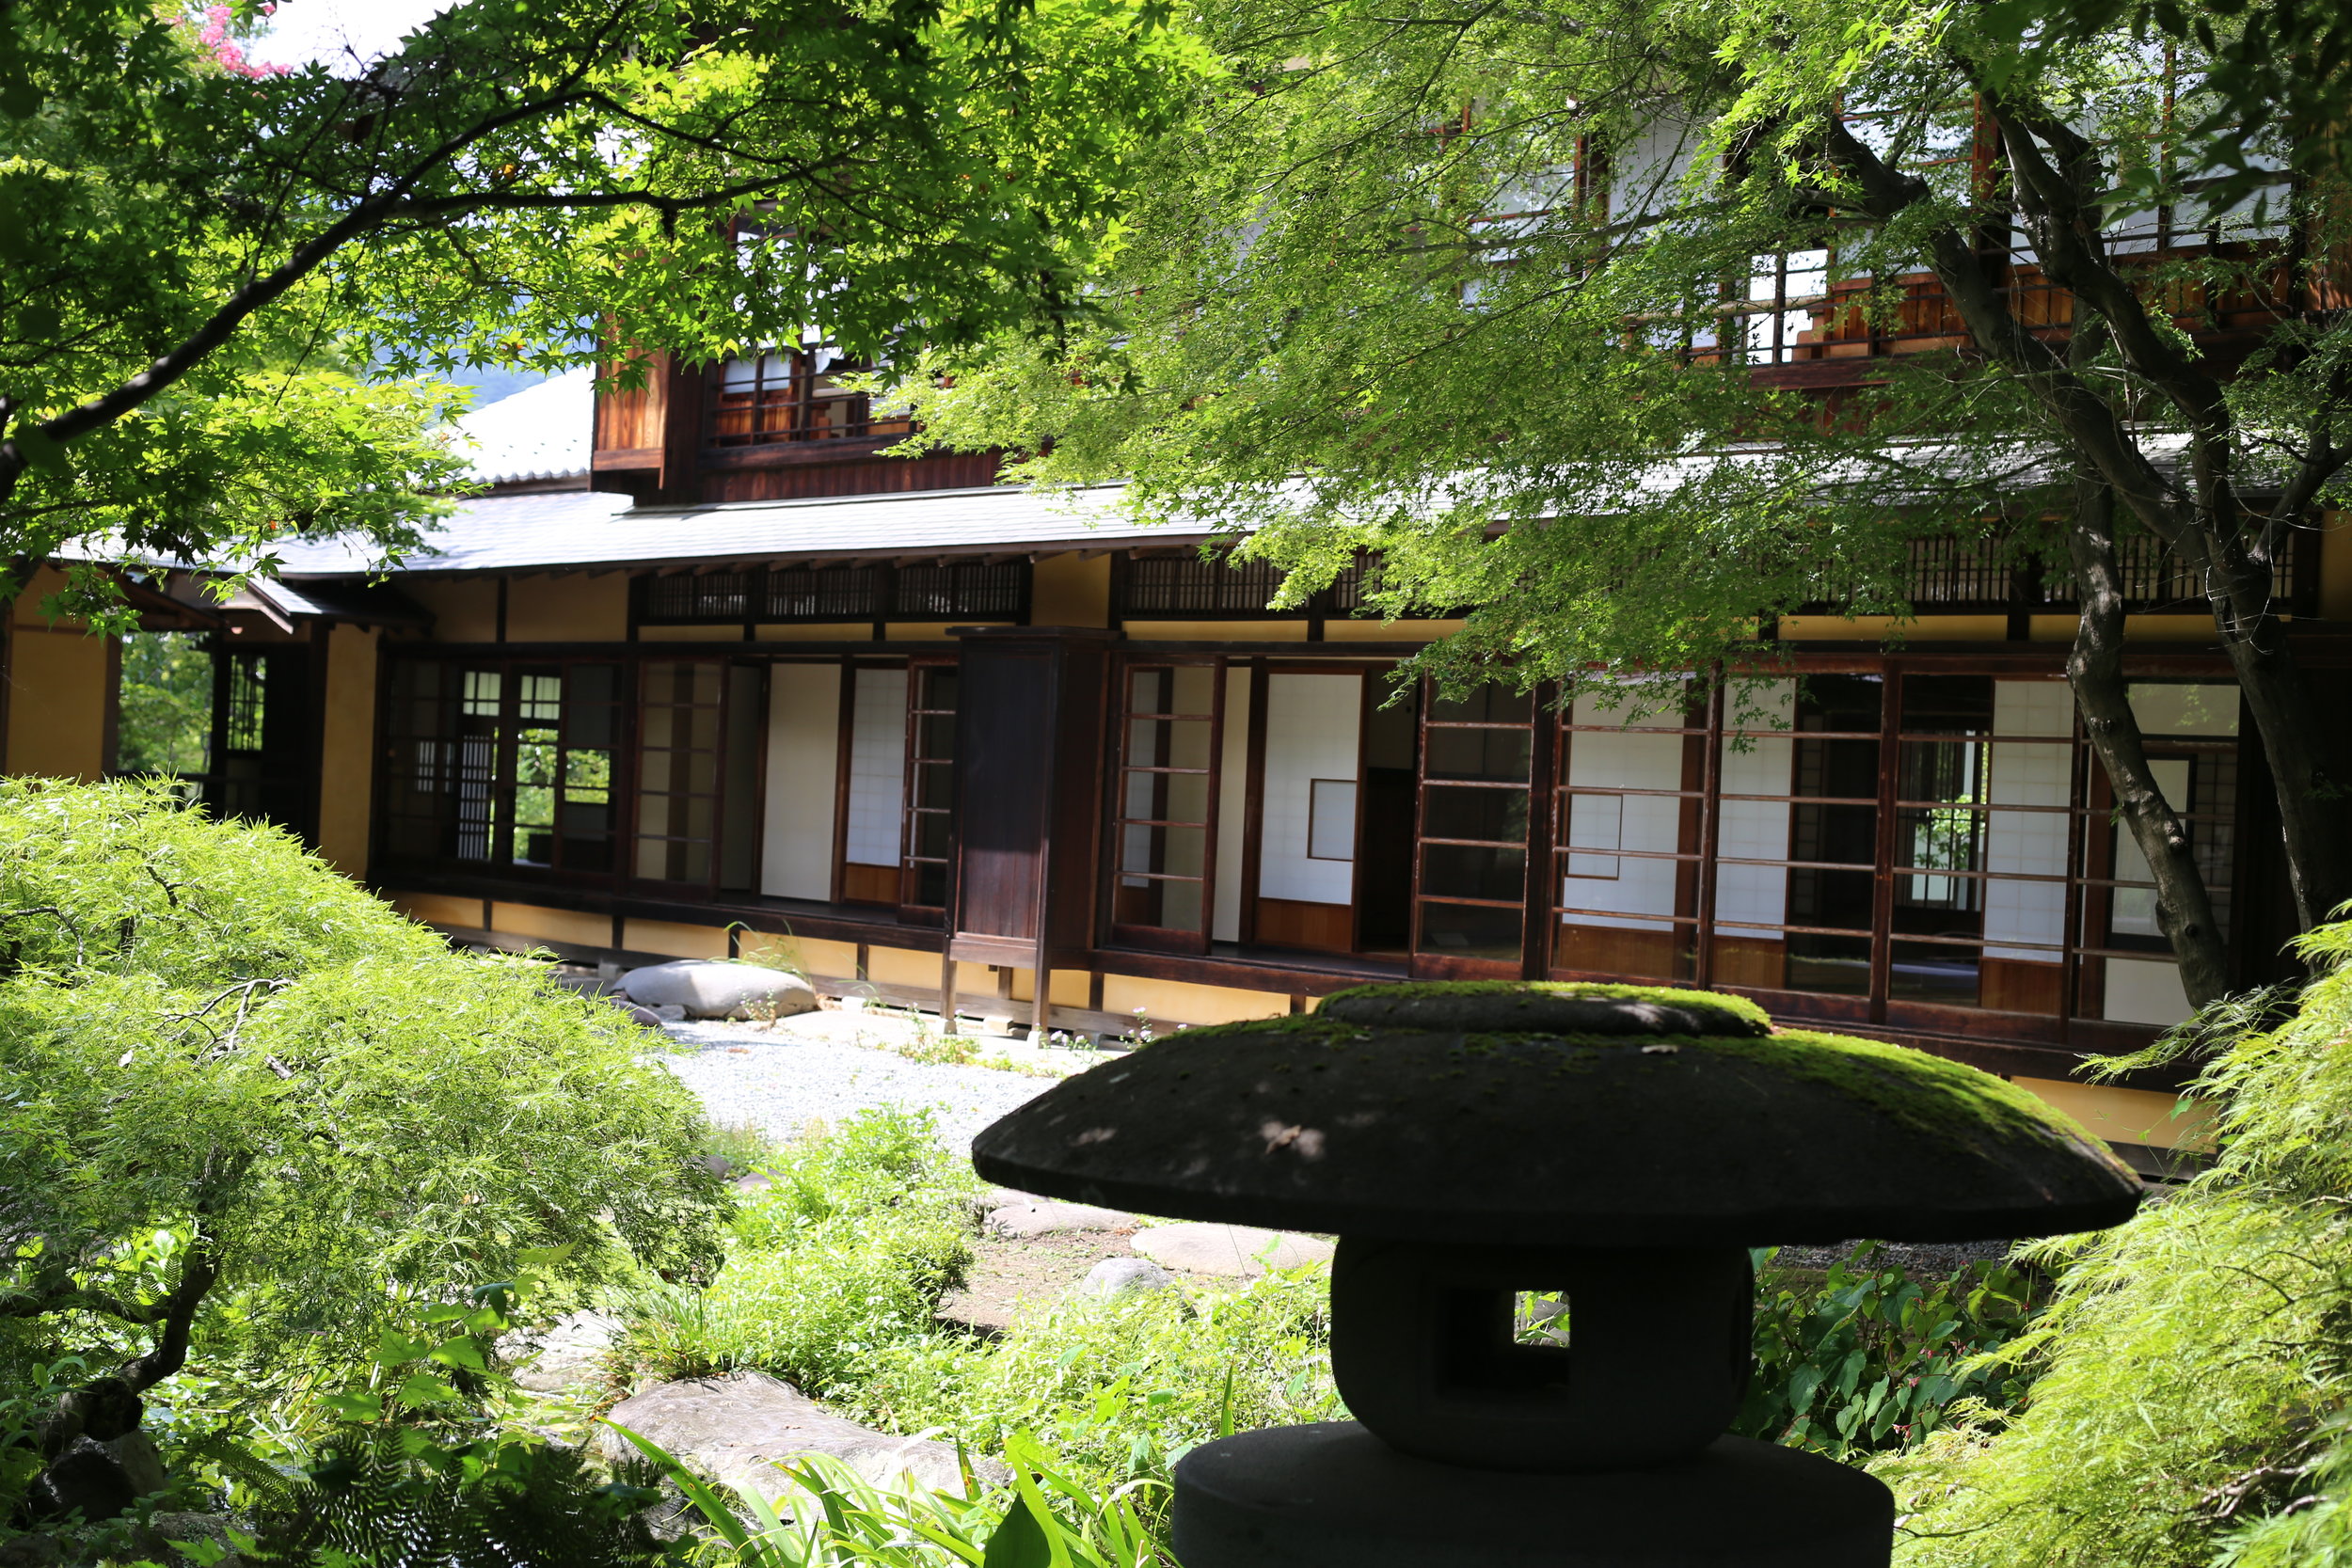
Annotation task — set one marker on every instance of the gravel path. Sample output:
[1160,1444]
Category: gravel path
[814,1070]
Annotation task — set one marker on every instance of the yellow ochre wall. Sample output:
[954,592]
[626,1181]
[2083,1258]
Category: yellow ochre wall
[464,609]
[570,606]
[348,749]
[1065,591]
[2128,1116]
[60,689]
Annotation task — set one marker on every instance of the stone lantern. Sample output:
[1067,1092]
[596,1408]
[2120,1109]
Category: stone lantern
[1472,1144]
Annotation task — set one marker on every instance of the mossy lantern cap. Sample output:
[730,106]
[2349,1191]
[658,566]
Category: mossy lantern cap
[1559,1116]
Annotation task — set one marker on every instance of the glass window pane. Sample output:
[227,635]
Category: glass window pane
[935,785]
[1192,688]
[1179,851]
[1840,702]
[1500,755]
[1470,931]
[935,687]
[1947,705]
[1467,871]
[1837,965]
[1925,972]
[1841,899]
[1495,815]
[1836,769]
[1487,705]
[931,837]
[935,736]
[1845,835]
[1167,905]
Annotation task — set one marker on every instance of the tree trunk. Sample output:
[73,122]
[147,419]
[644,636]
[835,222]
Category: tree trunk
[2312,804]
[2094,668]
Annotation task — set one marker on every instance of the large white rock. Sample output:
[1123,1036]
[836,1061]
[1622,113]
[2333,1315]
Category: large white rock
[710,989]
[1235,1251]
[1117,1277]
[736,1428]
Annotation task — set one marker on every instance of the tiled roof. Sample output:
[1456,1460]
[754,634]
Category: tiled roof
[541,432]
[581,529]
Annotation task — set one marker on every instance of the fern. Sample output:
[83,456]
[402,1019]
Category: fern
[392,1498]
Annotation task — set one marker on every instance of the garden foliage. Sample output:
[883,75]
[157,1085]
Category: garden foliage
[1871,1359]
[842,1257]
[2193,1373]
[203,249]
[252,1119]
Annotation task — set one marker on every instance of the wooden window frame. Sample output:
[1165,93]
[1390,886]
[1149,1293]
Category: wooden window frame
[911,909]
[1534,847]
[1125,716]
[2087,873]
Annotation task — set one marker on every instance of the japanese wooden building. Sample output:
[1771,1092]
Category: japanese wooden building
[705,673]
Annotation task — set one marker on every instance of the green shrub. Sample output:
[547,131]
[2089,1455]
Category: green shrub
[1121,1386]
[252,1117]
[834,1518]
[842,1256]
[1872,1359]
[2196,1364]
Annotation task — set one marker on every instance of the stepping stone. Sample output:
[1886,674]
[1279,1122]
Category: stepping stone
[1023,1220]
[1234,1251]
[737,1427]
[567,1354]
[1118,1277]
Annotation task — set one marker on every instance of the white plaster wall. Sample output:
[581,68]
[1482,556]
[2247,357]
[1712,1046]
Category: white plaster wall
[1232,808]
[1626,758]
[2028,843]
[803,753]
[2145,990]
[878,767]
[1310,733]
[1756,828]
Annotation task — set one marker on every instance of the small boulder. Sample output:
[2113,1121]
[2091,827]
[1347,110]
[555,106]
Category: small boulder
[1023,1220]
[1118,1277]
[706,989]
[639,1015]
[736,1428]
[1234,1251]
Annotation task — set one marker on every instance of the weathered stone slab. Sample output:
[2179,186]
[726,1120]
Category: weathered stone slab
[736,1428]
[564,1355]
[706,989]
[1048,1219]
[1234,1251]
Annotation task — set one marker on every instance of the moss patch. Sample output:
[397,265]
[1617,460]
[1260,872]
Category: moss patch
[1940,1100]
[1664,995]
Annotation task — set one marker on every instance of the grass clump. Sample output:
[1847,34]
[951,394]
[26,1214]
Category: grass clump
[1120,1387]
[2194,1396]
[843,1254]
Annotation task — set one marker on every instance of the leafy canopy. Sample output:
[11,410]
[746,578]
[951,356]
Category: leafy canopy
[246,1106]
[1463,284]
[193,251]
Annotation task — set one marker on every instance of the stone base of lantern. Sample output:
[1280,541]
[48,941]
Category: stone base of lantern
[1333,1496]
